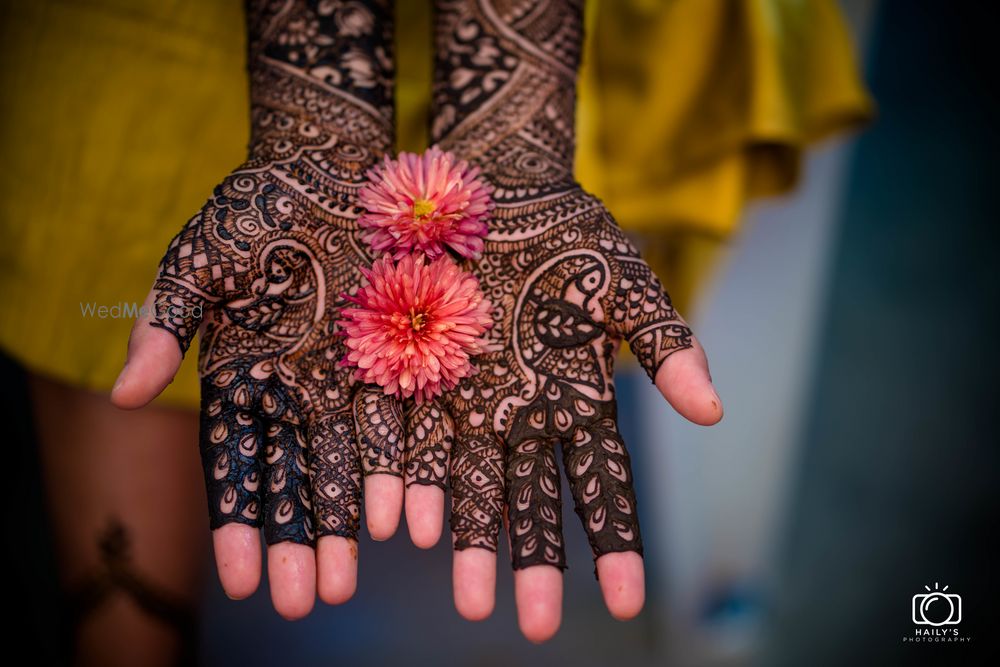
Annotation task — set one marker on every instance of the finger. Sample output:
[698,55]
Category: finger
[477,485]
[287,501]
[600,479]
[429,436]
[684,380]
[230,442]
[623,583]
[642,314]
[291,574]
[237,558]
[383,504]
[337,569]
[534,505]
[151,362]
[430,432]
[424,514]
[379,426]
[169,318]
[538,593]
[287,509]
[474,580]
[335,476]
[477,488]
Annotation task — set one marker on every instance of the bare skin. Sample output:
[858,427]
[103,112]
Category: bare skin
[143,483]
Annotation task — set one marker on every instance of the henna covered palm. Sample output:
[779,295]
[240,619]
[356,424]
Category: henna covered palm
[567,286]
[287,433]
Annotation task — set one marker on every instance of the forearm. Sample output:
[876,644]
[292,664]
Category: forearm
[505,86]
[320,74]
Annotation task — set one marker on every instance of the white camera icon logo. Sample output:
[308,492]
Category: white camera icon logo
[937,608]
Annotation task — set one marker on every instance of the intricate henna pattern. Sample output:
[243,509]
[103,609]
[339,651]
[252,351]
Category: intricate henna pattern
[428,444]
[567,286]
[265,263]
[379,422]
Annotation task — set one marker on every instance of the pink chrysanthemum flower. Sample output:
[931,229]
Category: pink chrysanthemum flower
[428,202]
[415,325]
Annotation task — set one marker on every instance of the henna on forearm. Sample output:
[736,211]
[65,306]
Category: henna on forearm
[567,287]
[265,263]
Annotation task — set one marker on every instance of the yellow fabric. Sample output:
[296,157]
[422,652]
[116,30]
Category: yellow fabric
[690,108]
[119,116]
[414,74]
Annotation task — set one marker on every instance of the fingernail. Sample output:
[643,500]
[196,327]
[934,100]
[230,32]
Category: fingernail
[121,378]
[717,403]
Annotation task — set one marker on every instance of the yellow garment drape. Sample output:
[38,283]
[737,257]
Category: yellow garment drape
[691,108]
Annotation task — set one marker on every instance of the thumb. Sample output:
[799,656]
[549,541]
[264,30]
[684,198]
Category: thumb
[685,382]
[156,346]
[663,343]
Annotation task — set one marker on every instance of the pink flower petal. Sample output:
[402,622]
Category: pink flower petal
[454,203]
[413,325]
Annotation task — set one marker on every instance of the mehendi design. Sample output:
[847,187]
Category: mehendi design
[567,287]
[266,262]
[379,422]
[429,437]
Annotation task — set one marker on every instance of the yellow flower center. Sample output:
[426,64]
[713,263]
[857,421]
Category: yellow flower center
[423,208]
[417,319]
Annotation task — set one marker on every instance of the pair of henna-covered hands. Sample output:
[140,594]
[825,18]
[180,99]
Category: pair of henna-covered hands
[288,435]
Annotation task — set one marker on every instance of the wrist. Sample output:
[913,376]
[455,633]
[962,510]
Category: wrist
[291,116]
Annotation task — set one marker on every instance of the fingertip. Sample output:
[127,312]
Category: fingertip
[474,575]
[538,591]
[424,514]
[237,559]
[622,578]
[684,380]
[291,574]
[383,505]
[337,569]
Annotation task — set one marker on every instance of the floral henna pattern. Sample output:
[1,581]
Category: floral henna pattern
[287,433]
[429,437]
[379,422]
[567,288]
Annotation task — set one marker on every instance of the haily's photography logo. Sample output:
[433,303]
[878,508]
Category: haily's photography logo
[935,613]
[937,607]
